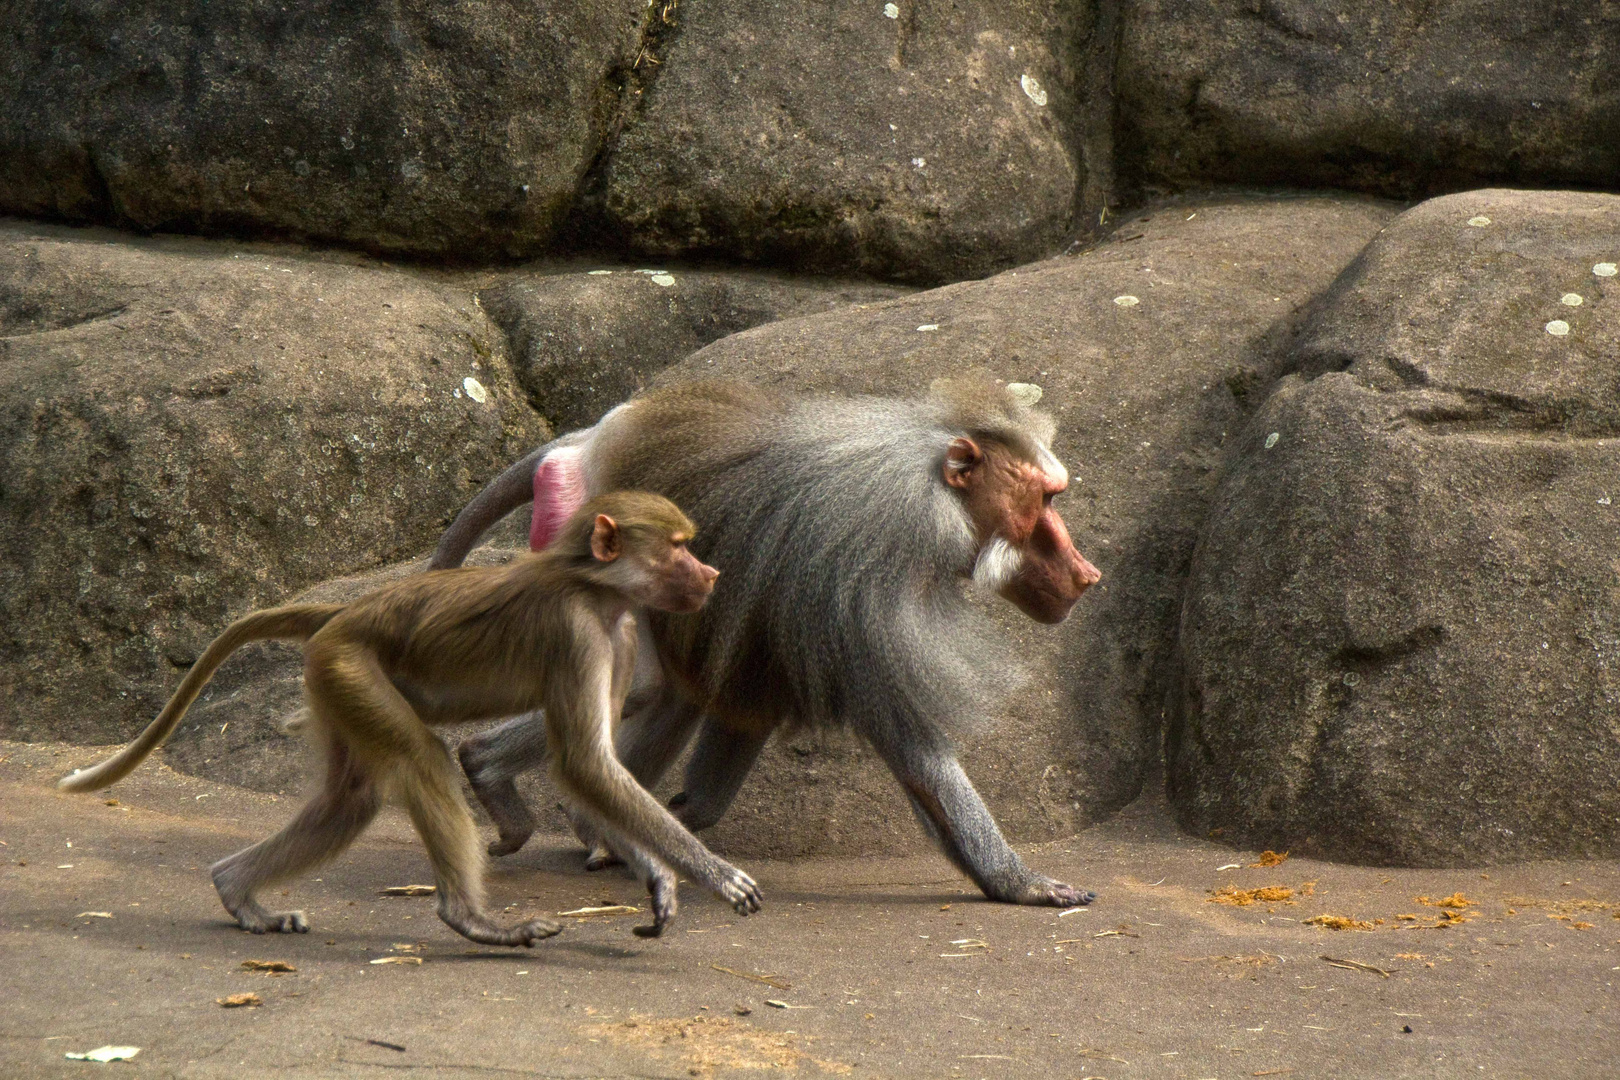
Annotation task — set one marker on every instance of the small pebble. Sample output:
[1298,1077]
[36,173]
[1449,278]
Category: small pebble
[1558,328]
[1126,300]
[1479,222]
[1571,299]
[891,11]
[1604,269]
[1271,440]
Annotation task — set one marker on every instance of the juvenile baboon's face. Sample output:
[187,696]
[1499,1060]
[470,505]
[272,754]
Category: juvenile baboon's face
[652,565]
[679,581]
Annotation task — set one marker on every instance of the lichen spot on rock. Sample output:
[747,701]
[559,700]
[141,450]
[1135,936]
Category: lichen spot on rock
[1032,89]
[891,11]
[1479,222]
[475,389]
[1604,269]
[1558,328]
[666,280]
[1126,301]
[927,327]
[1026,394]
[1571,299]
[1271,440]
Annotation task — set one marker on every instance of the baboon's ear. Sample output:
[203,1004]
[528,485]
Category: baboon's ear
[605,544]
[962,460]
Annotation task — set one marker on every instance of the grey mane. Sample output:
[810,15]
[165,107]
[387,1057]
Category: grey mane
[854,571]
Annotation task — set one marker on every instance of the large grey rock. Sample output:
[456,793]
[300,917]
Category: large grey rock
[420,127]
[192,429]
[584,341]
[1395,98]
[917,141]
[1402,629]
[1145,397]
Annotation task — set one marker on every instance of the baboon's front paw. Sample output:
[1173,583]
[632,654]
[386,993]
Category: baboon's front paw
[600,858]
[1043,891]
[506,844]
[662,899]
[741,892]
[273,922]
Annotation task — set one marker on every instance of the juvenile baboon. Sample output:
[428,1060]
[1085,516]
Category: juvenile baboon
[846,527]
[552,631]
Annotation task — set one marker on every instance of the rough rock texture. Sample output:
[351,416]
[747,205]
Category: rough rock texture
[934,143]
[1145,396]
[1395,98]
[191,429]
[458,129]
[1402,630]
[583,342]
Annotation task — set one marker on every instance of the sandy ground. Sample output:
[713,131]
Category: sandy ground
[110,933]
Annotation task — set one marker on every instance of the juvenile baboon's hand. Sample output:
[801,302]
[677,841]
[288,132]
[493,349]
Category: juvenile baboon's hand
[740,892]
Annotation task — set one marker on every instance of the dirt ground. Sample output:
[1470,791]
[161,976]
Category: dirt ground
[110,934]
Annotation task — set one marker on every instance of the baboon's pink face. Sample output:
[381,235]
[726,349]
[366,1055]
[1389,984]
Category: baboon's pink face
[1009,502]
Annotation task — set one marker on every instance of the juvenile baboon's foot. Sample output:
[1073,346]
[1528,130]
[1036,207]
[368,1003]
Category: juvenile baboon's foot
[1043,891]
[601,857]
[739,890]
[662,900]
[500,799]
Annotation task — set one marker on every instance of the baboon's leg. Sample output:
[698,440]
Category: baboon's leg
[350,693]
[946,803]
[345,805]
[647,742]
[718,766]
[492,760]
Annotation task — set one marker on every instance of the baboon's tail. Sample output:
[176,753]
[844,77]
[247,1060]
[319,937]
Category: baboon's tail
[508,491]
[295,622]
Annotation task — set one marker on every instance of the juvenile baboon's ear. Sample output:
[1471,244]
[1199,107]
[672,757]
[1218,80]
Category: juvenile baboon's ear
[605,544]
[962,458]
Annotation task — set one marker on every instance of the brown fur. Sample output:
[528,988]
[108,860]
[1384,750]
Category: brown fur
[550,630]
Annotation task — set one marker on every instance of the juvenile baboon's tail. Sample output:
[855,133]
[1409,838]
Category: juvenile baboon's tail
[295,622]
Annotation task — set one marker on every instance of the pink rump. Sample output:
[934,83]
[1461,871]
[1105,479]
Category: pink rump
[559,490]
